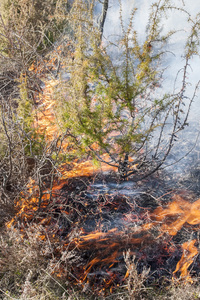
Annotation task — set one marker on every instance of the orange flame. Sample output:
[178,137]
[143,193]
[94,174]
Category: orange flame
[182,211]
[189,252]
[171,219]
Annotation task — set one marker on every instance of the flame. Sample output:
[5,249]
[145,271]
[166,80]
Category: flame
[46,118]
[109,245]
[189,252]
[183,211]
[46,123]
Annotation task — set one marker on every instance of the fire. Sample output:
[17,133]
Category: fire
[110,245]
[183,211]
[97,235]
[104,246]
[177,214]
[189,252]
[47,124]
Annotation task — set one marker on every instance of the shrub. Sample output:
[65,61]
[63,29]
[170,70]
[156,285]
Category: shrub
[116,109]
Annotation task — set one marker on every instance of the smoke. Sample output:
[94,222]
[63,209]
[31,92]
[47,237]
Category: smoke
[173,62]
[176,20]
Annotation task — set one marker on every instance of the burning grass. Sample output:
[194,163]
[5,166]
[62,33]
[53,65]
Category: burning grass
[101,243]
[84,237]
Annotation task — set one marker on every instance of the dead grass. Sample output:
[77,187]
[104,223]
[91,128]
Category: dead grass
[23,257]
[26,273]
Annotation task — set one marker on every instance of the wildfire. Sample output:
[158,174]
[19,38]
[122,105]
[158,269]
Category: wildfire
[105,247]
[189,252]
[185,213]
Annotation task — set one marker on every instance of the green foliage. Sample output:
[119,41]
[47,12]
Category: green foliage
[104,99]
[33,141]
[112,106]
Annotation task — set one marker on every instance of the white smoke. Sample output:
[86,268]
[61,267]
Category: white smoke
[176,20]
[173,60]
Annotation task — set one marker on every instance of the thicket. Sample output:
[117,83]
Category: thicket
[28,32]
[114,111]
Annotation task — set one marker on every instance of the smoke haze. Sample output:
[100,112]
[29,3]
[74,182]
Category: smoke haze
[173,61]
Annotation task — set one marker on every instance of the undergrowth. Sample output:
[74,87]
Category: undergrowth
[27,272]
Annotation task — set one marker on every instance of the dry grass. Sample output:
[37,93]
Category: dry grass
[183,291]
[135,281]
[23,259]
[26,273]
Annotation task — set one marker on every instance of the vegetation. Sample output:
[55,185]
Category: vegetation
[28,30]
[30,277]
[115,111]
[119,108]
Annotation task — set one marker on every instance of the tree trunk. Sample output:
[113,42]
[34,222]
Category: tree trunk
[103,16]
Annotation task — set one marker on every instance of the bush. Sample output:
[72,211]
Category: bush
[116,110]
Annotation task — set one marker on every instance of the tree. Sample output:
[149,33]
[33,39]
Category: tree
[116,110]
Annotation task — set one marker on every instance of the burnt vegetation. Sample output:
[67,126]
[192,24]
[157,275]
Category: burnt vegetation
[87,125]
